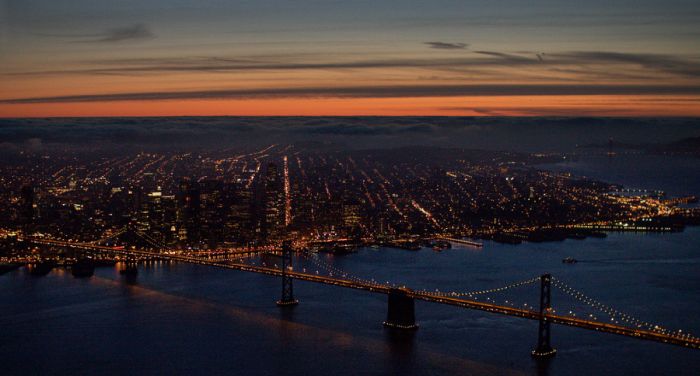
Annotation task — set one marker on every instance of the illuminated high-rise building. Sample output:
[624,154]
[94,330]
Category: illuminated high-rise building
[188,212]
[351,214]
[274,195]
[212,211]
[27,208]
[239,220]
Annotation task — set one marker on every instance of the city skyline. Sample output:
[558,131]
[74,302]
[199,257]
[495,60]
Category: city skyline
[547,58]
[263,196]
[298,212]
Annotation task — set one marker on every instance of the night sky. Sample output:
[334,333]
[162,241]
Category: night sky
[379,57]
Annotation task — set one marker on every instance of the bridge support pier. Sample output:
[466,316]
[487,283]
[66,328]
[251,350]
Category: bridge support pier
[130,269]
[401,313]
[287,285]
[544,347]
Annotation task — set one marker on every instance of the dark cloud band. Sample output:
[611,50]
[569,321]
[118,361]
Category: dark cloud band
[447,45]
[403,91]
[118,34]
[615,62]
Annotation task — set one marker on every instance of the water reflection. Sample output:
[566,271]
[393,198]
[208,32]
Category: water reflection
[184,309]
[542,366]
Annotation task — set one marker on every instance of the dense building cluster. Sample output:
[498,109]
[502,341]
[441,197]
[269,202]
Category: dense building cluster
[221,198]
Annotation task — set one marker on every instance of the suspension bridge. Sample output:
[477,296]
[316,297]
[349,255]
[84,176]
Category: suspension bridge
[401,299]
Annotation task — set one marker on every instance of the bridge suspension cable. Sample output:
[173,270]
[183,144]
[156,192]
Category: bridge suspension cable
[483,292]
[314,259]
[150,240]
[615,315]
[111,236]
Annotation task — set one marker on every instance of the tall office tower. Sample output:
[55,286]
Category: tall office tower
[168,226]
[27,206]
[330,214]
[189,213]
[143,223]
[149,182]
[151,215]
[239,221]
[182,188]
[156,214]
[351,214]
[274,195]
[212,211]
[305,211]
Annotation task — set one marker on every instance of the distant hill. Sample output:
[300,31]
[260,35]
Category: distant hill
[615,145]
[689,145]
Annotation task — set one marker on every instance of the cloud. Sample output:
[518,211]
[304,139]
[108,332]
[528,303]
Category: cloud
[34,144]
[344,129]
[285,63]
[643,65]
[658,62]
[447,45]
[543,111]
[120,135]
[398,91]
[509,58]
[593,61]
[119,34]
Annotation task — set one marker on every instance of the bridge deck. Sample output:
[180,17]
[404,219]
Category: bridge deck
[378,288]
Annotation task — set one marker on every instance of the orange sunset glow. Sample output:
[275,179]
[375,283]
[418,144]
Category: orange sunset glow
[462,106]
[456,59]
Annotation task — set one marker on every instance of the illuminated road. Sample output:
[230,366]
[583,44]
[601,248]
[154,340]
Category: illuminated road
[460,241]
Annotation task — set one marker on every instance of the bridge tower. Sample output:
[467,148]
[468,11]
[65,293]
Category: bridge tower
[544,348]
[402,312]
[287,286]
